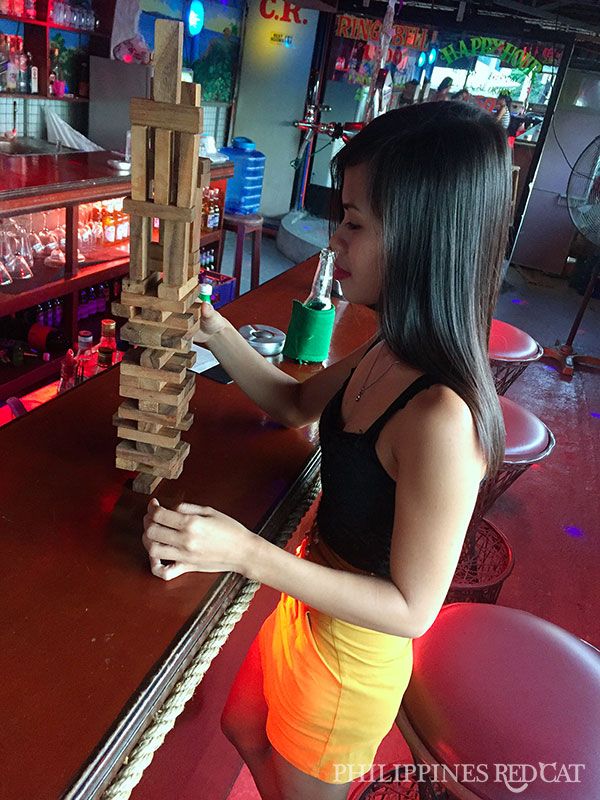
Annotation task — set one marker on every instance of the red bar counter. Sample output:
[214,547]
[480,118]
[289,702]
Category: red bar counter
[92,642]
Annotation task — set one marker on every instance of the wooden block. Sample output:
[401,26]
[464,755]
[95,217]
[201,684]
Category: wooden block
[153,335]
[178,292]
[119,310]
[163,156]
[152,300]
[187,171]
[154,359]
[138,248]
[204,165]
[143,286]
[162,458]
[168,396]
[128,429]
[175,254]
[190,94]
[148,406]
[157,210]
[177,322]
[137,382]
[166,116]
[169,416]
[171,374]
[145,483]
[170,472]
[168,58]
[154,315]
[139,162]
[146,336]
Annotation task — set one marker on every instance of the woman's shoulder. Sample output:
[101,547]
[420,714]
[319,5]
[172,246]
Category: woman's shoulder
[434,414]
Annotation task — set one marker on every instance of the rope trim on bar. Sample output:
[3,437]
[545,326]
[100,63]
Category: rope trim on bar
[164,719]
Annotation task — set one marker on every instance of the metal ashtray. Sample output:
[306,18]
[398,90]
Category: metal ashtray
[264,339]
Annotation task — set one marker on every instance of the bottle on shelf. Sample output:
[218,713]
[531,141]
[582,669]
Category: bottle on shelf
[67,372]
[57,312]
[105,359]
[82,310]
[29,327]
[91,309]
[85,360]
[108,338]
[34,87]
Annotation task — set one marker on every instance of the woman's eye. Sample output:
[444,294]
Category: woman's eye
[351,226]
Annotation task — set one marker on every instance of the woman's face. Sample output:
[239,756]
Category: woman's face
[357,241]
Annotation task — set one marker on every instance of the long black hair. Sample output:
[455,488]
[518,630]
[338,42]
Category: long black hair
[439,181]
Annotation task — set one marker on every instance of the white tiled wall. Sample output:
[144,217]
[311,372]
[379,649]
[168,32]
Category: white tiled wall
[31,116]
[31,119]
[215,121]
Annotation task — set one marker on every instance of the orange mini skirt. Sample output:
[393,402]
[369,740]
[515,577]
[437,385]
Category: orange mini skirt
[333,689]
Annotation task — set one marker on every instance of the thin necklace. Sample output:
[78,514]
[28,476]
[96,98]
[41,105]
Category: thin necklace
[366,385]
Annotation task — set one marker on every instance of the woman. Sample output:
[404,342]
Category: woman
[409,425]
[503,107]
[443,90]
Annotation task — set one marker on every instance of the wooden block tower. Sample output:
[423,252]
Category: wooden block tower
[159,297]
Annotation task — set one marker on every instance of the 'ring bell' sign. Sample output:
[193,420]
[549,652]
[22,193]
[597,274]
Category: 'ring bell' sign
[517,58]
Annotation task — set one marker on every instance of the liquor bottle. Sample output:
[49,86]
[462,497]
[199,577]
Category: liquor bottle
[101,303]
[12,70]
[108,228]
[85,360]
[217,220]
[67,372]
[40,337]
[105,359]
[205,209]
[57,312]
[32,75]
[91,309]
[108,338]
[106,292]
[23,75]
[319,298]
[82,310]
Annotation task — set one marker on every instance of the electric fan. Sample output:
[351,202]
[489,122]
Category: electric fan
[583,200]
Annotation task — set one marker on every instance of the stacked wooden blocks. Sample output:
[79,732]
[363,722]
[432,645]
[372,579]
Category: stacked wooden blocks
[160,296]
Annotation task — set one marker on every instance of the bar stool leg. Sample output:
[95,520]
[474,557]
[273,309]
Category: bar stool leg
[256,246]
[239,257]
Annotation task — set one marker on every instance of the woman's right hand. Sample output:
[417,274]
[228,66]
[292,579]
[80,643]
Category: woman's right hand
[211,323]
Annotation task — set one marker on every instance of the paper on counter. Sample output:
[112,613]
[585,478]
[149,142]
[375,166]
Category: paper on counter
[204,358]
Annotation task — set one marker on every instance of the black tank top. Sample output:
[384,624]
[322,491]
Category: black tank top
[356,512]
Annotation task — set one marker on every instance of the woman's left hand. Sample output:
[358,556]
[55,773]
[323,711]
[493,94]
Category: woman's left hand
[195,539]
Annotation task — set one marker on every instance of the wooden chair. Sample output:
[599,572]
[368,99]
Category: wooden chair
[244,225]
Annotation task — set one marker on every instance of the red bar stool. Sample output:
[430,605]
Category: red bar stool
[498,686]
[244,225]
[487,558]
[511,351]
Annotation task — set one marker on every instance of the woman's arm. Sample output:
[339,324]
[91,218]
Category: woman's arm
[439,468]
[288,401]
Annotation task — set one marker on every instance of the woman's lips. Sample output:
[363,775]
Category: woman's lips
[340,274]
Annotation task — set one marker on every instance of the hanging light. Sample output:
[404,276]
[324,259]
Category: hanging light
[195,17]
[422,59]
[432,56]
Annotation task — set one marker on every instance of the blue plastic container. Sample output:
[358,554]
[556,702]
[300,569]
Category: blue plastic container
[245,188]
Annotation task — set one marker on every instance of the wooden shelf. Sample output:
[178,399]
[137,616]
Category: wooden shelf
[210,237]
[15,380]
[23,20]
[55,25]
[12,300]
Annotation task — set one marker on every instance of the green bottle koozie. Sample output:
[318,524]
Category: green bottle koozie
[309,333]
